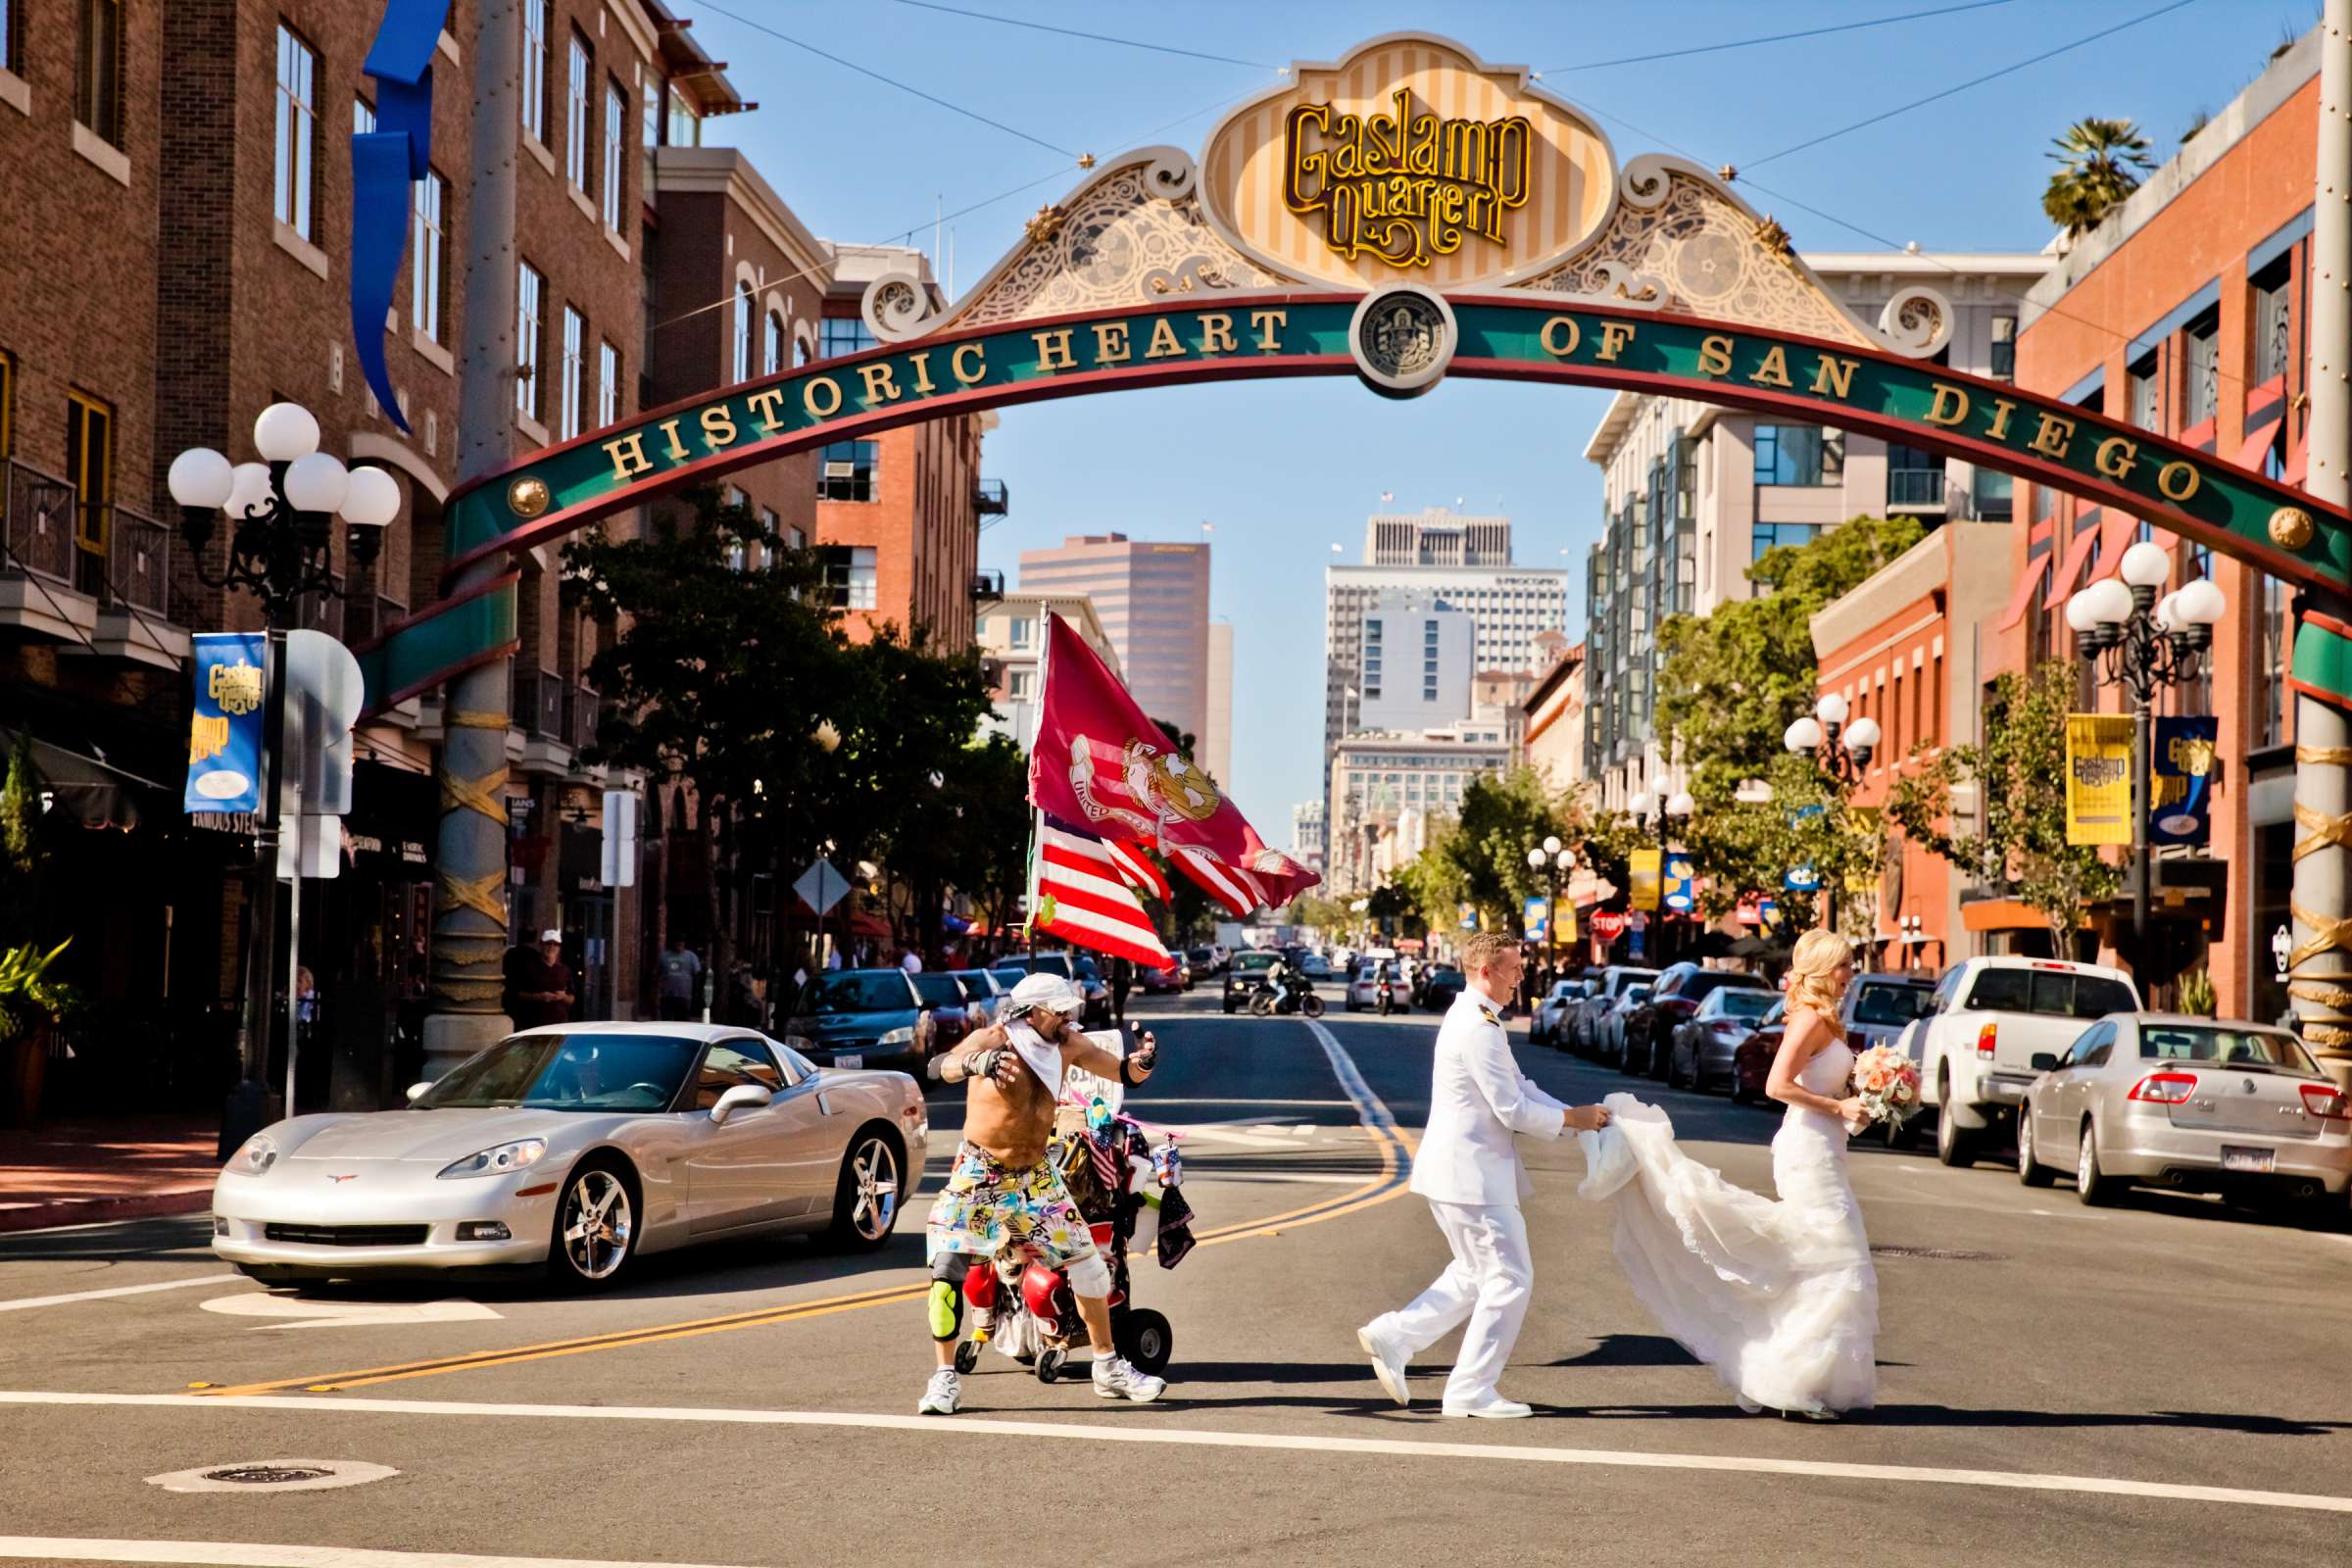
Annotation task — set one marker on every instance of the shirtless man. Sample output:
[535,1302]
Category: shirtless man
[1002,1189]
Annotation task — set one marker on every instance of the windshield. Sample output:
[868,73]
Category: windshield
[938,990]
[2223,1047]
[1891,1006]
[860,991]
[2051,992]
[566,1072]
[1746,1003]
[974,981]
[1634,996]
[1254,960]
[1203,955]
[1052,963]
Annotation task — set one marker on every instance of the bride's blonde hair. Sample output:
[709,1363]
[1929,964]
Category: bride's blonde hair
[1812,971]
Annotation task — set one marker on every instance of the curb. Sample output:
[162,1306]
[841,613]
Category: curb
[93,1210]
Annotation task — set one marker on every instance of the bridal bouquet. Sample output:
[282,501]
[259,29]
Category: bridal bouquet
[1889,1084]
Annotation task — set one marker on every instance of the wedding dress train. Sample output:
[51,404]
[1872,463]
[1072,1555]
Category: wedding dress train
[1779,1298]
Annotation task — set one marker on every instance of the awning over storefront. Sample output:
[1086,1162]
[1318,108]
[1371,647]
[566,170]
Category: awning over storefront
[86,790]
[2002,914]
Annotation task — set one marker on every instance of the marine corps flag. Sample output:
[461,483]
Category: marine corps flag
[1100,764]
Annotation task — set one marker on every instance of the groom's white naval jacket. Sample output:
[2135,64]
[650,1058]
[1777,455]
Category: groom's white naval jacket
[1468,1167]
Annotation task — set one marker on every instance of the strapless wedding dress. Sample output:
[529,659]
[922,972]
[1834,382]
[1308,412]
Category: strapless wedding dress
[1779,1298]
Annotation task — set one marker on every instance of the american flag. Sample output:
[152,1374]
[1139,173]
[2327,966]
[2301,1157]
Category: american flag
[1137,870]
[1231,886]
[1081,898]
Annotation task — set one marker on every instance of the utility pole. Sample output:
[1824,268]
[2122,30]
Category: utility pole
[469,897]
[2320,967]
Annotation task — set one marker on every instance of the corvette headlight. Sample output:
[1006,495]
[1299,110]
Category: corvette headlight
[898,1037]
[500,1160]
[259,1154]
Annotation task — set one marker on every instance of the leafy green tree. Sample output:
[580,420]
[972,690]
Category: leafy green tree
[2013,832]
[1746,844]
[1396,909]
[1729,683]
[2099,164]
[1327,916]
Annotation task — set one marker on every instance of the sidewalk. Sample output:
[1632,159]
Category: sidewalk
[73,1173]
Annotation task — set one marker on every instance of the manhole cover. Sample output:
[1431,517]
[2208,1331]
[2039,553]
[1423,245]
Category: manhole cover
[1948,1254]
[274,1475]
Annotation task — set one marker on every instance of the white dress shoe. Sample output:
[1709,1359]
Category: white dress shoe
[1493,1410]
[1387,1365]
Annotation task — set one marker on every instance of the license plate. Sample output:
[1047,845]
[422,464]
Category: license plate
[848,1062]
[2252,1161]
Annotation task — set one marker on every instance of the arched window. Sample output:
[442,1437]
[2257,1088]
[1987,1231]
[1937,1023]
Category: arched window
[771,358]
[743,331]
[801,354]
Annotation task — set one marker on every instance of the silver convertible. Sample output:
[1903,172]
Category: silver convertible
[2188,1104]
[576,1148]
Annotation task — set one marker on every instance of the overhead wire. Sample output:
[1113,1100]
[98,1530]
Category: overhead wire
[1774,37]
[1104,37]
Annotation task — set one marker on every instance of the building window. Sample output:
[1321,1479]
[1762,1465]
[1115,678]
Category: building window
[842,334]
[2203,393]
[363,113]
[2276,633]
[1994,493]
[743,331]
[1799,455]
[685,125]
[771,348]
[850,576]
[531,323]
[2146,402]
[8,405]
[575,114]
[573,372]
[2273,330]
[1024,631]
[2001,363]
[1772,535]
[845,471]
[1016,685]
[607,384]
[616,127]
[12,40]
[297,127]
[534,70]
[1914,477]
[90,465]
[98,67]
[428,255]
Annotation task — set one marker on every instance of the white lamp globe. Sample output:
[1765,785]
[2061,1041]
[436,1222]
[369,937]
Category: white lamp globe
[2146,565]
[2082,612]
[1535,858]
[201,477]
[1832,709]
[2200,603]
[1803,735]
[2110,602]
[1640,803]
[1863,735]
[1551,843]
[248,489]
[2166,616]
[1680,804]
[285,431]
[315,482]
[371,499]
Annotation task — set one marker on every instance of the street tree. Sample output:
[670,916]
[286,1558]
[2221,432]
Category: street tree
[1995,809]
[2099,164]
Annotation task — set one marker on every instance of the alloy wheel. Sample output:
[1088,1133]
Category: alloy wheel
[874,1189]
[598,1224]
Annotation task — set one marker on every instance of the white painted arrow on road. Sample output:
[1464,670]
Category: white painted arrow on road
[303,1313]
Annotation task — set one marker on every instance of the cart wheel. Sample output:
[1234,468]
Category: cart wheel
[968,1355]
[1049,1364]
[1146,1341]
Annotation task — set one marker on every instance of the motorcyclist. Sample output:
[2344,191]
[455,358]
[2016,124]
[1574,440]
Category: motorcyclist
[1287,984]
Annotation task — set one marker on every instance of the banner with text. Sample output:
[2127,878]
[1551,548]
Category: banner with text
[2098,778]
[224,736]
[2181,780]
[1644,869]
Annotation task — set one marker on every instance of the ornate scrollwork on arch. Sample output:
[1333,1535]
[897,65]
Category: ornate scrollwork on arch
[895,307]
[1918,322]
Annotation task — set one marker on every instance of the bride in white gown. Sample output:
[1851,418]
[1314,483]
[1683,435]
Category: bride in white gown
[1778,1298]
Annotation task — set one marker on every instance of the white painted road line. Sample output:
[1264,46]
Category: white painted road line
[22,1304]
[246,1555]
[273,1408]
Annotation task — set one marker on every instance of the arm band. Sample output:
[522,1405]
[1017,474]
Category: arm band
[937,1068]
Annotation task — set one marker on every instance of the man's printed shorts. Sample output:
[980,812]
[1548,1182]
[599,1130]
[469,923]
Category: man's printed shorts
[987,1205]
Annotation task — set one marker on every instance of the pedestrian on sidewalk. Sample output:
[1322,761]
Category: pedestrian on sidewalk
[680,969]
[1122,980]
[539,983]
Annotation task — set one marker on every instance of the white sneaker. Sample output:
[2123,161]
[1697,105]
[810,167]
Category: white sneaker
[1493,1410]
[1386,1364]
[1115,1379]
[942,1395]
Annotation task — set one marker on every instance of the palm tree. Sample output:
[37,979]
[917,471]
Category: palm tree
[2101,162]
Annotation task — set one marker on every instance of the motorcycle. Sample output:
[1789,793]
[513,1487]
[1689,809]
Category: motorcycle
[1294,997]
[1387,996]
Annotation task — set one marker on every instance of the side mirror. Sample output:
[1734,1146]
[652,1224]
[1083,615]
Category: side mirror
[2044,1062]
[742,1097]
[416,1090]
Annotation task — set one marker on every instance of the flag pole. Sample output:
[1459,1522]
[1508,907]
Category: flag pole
[1037,814]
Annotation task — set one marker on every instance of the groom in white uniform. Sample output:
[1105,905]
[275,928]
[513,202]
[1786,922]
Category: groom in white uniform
[1468,1169]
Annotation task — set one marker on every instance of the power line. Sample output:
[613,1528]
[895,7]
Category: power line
[892,81]
[1783,38]
[1974,82]
[1099,37]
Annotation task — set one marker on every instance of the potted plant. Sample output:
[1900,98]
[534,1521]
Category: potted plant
[2197,994]
[30,1004]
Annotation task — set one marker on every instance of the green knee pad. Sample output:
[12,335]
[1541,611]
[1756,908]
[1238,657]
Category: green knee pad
[946,1307]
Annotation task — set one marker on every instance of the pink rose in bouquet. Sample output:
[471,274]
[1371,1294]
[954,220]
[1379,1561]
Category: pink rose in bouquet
[1887,1083]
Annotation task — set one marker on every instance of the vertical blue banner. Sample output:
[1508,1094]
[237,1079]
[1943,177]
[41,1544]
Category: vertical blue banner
[1537,921]
[2181,773]
[224,738]
[1681,876]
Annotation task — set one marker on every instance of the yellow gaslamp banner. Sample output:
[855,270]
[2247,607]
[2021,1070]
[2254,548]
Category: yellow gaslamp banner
[2098,778]
[1644,868]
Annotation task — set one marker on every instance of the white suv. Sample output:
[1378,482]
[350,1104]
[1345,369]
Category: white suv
[1989,1017]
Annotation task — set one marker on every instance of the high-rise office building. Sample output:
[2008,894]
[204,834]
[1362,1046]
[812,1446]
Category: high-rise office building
[1154,602]
[1217,739]
[1437,537]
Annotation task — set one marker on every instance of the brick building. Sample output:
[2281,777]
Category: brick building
[2184,311]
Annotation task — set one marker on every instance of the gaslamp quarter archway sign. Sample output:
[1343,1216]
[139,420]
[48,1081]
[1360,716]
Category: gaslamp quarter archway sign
[1401,214]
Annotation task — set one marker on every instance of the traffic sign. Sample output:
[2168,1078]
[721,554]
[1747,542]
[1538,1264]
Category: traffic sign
[822,887]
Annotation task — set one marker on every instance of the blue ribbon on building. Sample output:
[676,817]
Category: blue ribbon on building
[384,163]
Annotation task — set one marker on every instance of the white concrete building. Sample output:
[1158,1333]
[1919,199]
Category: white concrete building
[1011,637]
[1216,739]
[1306,834]
[1377,778]
[1413,662]
[1437,536]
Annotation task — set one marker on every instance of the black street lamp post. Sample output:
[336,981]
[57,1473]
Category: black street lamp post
[1552,858]
[1842,752]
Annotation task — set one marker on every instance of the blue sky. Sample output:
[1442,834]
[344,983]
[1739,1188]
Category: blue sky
[1285,470]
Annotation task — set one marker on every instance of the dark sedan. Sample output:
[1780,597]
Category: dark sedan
[1244,974]
[1704,1047]
[953,1012]
[1673,999]
[1445,985]
[1751,1063]
[862,1018]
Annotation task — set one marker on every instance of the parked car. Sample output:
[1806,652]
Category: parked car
[1200,963]
[1547,1026]
[1316,967]
[1242,977]
[1879,1008]
[860,1017]
[986,992]
[1751,1062]
[1163,982]
[1440,989]
[1608,1033]
[953,1014]
[1702,1046]
[574,1149]
[2190,1103]
[1987,1021]
[1672,998]
[1584,1024]
[1078,970]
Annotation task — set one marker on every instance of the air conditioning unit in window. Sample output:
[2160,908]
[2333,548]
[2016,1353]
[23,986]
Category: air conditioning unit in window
[841,470]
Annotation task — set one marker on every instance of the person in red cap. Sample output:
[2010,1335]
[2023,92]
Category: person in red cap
[539,983]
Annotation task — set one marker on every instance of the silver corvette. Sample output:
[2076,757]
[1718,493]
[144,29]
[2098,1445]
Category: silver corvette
[577,1149]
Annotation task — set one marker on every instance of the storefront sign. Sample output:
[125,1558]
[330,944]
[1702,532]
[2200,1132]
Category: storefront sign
[224,736]
[2098,778]
[1802,879]
[1644,869]
[2181,778]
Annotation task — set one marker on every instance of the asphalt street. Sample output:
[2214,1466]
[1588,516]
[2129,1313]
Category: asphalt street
[2159,1383]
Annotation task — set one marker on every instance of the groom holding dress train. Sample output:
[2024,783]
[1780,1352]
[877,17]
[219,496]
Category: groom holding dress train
[1468,1167]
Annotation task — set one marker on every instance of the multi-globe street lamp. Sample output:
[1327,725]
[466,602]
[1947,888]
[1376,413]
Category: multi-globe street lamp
[1839,750]
[283,509]
[2133,639]
[1551,856]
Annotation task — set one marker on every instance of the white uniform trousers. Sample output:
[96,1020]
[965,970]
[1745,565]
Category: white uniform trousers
[1488,1283]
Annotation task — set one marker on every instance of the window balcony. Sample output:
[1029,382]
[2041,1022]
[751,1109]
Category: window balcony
[583,707]
[134,614]
[988,587]
[1915,488]
[989,498]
